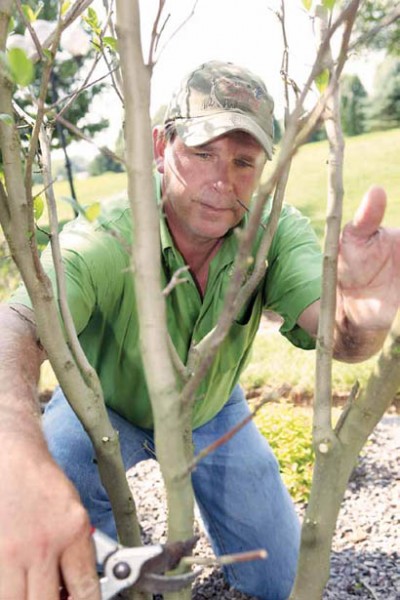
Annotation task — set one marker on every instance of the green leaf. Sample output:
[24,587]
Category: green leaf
[28,12]
[11,25]
[65,6]
[329,4]
[38,207]
[39,9]
[92,20]
[7,119]
[21,66]
[322,80]
[110,42]
[48,54]
[93,211]
[307,4]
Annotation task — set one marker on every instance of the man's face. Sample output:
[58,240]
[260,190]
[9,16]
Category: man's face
[202,184]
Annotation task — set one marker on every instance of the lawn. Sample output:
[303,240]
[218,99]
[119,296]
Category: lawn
[372,158]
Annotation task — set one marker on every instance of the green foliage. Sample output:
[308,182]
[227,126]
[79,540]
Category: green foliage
[317,135]
[322,80]
[277,131]
[38,207]
[7,119]
[30,14]
[21,67]
[352,105]
[370,14]
[104,162]
[289,433]
[66,76]
[384,108]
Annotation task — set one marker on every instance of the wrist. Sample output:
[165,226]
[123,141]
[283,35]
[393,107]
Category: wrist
[354,342]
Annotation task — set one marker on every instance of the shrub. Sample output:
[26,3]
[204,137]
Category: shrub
[289,432]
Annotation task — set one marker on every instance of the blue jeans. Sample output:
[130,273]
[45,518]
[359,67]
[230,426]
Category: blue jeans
[243,502]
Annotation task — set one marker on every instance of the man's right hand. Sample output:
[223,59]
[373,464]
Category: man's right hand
[45,534]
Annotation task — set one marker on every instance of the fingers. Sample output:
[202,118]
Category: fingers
[12,584]
[44,582]
[370,213]
[78,566]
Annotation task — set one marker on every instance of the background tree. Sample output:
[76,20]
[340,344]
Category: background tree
[384,106]
[104,162]
[352,105]
[69,71]
[371,14]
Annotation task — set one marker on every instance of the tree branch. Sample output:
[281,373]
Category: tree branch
[385,22]
[82,136]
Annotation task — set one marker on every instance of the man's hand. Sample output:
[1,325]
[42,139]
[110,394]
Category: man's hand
[368,290]
[369,266]
[45,535]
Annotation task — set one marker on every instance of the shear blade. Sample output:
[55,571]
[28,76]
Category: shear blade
[157,584]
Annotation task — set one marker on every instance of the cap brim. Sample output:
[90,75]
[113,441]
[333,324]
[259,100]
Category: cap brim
[200,130]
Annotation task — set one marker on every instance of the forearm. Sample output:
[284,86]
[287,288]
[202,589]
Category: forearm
[20,360]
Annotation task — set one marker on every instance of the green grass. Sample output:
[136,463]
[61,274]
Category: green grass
[276,362]
[369,159]
[92,189]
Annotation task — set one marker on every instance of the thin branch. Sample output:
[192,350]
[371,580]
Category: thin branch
[72,14]
[226,559]
[176,361]
[111,71]
[86,138]
[109,10]
[176,279]
[32,32]
[272,396]
[72,97]
[369,588]
[155,36]
[4,208]
[77,91]
[33,144]
[178,28]
[385,22]
[116,82]
[325,339]
[83,364]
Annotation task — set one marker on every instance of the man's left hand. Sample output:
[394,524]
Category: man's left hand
[369,266]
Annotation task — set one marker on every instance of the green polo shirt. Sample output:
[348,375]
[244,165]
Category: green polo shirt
[102,301]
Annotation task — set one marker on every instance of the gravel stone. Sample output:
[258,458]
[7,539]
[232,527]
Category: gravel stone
[365,561]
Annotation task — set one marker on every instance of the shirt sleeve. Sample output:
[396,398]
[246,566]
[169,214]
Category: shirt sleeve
[93,265]
[293,279]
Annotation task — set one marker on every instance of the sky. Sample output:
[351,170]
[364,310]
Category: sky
[244,32]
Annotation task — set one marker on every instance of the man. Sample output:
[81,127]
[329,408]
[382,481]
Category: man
[210,153]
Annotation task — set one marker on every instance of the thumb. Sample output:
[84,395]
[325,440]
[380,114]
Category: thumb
[370,213]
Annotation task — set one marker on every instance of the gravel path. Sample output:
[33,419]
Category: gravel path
[366,549]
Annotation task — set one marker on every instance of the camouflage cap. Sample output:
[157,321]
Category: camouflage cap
[219,97]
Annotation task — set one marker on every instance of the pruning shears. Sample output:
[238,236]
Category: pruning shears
[141,567]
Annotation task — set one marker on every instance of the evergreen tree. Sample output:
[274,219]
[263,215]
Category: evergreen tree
[352,100]
[371,13]
[384,107]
